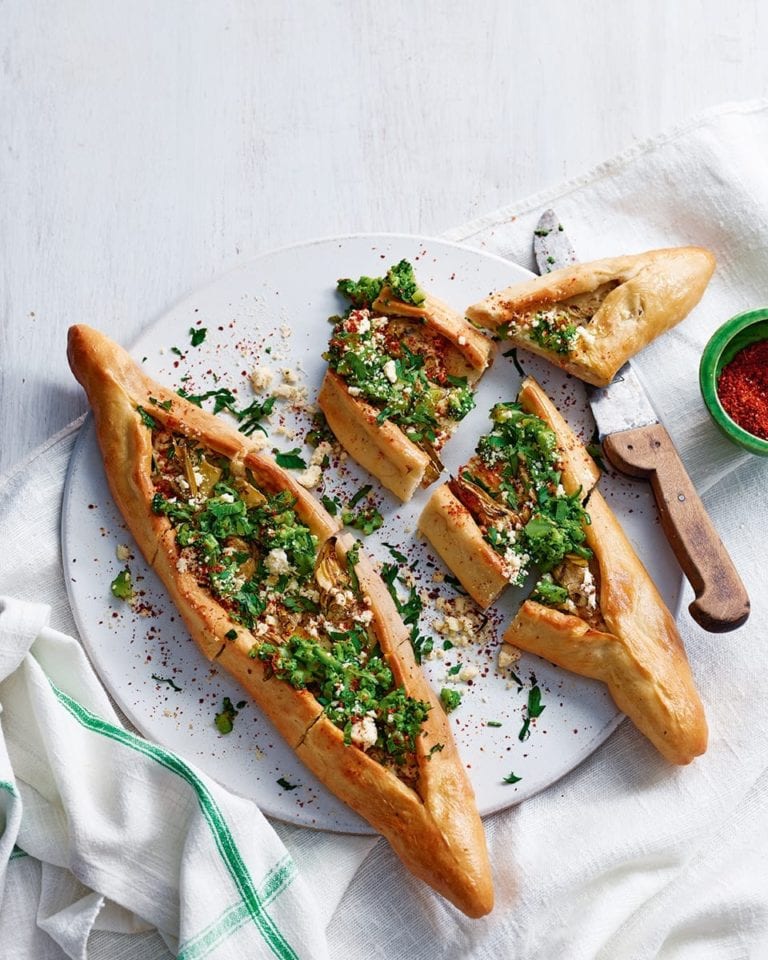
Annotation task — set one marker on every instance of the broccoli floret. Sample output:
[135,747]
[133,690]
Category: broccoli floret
[460,402]
[549,593]
[361,292]
[450,699]
[402,282]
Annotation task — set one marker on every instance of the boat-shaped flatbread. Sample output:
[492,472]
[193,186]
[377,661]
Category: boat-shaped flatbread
[270,591]
[589,319]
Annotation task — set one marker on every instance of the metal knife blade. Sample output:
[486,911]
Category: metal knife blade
[551,246]
[622,405]
[636,443]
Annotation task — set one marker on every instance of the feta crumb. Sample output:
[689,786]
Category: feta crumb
[285,331]
[311,477]
[182,564]
[322,450]
[508,656]
[390,371]
[462,341]
[364,733]
[277,562]
[292,393]
[366,616]
[261,378]
[468,672]
[123,552]
[290,376]
[226,498]
[354,391]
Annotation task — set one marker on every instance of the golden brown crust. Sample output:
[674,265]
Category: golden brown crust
[437,831]
[455,535]
[381,448]
[651,292]
[640,657]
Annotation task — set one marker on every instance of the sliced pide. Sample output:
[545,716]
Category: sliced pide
[507,508]
[605,619]
[591,318]
[530,493]
[271,592]
[401,368]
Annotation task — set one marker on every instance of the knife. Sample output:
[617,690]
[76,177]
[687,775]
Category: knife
[637,444]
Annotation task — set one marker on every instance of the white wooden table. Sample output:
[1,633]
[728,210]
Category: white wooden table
[148,146]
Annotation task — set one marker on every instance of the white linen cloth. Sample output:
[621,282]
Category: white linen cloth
[626,857]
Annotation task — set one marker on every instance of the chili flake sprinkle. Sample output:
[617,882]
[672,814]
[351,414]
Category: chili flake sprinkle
[743,389]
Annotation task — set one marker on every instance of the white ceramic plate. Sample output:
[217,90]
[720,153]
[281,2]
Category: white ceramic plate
[274,312]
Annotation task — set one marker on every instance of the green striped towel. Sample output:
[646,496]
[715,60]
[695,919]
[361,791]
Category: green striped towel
[133,831]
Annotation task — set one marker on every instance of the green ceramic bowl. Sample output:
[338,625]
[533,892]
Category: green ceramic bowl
[738,332]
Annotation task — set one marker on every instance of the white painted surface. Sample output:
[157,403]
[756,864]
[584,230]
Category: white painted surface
[147,146]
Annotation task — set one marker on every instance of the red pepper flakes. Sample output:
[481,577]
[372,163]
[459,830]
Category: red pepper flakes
[743,389]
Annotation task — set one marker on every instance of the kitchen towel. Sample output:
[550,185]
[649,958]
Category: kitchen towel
[625,858]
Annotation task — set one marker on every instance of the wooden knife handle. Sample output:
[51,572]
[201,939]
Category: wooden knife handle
[721,602]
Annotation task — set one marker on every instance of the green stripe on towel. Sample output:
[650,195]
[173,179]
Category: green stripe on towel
[232,919]
[252,903]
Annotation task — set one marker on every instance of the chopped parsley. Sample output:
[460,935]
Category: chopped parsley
[248,418]
[163,404]
[409,609]
[290,460]
[511,779]
[167,680]
[534,708]
[282,782]
[331,504]
[197,335]
[122,585]
[493,723]
[146,419]
[231,635]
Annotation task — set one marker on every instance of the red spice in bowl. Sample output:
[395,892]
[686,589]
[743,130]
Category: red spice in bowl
[742,388]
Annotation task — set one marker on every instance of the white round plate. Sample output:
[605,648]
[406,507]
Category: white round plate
[273,311]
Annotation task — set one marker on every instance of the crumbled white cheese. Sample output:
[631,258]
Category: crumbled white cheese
[462,341]
[363,325]
[285,331]
[123,552]
[294,394]
[277,562]
[354,391]
[508,656]
[364,733]
[290,376]
[366,616]
[182,564]
[322,450]
[468,672]
[226,498]
[390,371]
[311,477]
[261,378]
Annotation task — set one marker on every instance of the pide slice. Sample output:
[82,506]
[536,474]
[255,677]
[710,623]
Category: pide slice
[401,368]
[529,493]
[591,318]
[271,592]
